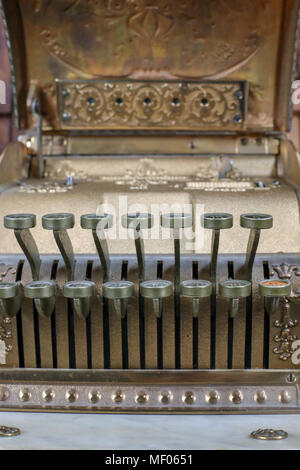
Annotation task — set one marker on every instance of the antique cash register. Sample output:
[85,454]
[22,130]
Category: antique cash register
[150,233]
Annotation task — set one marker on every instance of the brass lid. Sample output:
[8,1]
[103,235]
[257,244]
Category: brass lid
[171,45]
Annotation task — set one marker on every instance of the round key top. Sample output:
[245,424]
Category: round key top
[275,288]
[217,220]
[39,289]
[58,221]
[78,289]
[118,289]
[94,221]
[19,221]
[256,221]
[195,288]
[235,289]
[156,289]
[174,220]
[137,220]
[8,290]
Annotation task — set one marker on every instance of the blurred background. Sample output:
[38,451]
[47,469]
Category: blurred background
[8,131]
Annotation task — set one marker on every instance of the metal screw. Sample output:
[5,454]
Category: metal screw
[141,398]
[189,398]
[25,394]
[165,397]
[260,397]
[4,394]
[236,397]
[48,395]
[290,378]
[118,396]
[285,397]
[212,397]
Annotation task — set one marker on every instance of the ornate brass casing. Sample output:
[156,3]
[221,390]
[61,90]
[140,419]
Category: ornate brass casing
[154,199]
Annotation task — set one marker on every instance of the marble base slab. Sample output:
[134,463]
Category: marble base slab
[152,432]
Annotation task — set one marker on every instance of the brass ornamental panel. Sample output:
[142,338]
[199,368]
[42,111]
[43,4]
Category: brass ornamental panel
[129,104]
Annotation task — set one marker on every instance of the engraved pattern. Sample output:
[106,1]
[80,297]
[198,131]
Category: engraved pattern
[144,35]
[155,104]
[286,337]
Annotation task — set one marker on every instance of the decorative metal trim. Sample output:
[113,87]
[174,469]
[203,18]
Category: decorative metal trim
[149,391]
[136,104]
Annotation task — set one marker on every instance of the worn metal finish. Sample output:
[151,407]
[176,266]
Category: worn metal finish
[145,42]
[174,117]
[108,104]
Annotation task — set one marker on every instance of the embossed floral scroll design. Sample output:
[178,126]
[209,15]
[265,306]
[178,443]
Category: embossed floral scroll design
[286,337]
[5,321]
[128,104]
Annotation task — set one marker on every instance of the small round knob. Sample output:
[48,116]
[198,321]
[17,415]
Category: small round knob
[274,288]
[9,290]
[173,220]
[256,221]
[217,220]
[156,289]
[92,221]
[137,221]
[195,288]
[39,289]
[234,289]
[19,221]
[78,289]
[59,221]
[118,289]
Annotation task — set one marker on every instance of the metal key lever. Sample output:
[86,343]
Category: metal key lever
[138,222]
[10,298]
[43,295]
[59,223]
[21,224]
[80,292]
[255,222]
[216,222]
[234,290]
[119,292]
[99,223]
[196,290]
[272,291]
[157,290]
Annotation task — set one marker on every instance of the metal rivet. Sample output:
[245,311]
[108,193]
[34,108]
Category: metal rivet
[94,396]
[260,397]
[236,397]
[212,397]
[290,378]
[48,395]
[189,398]
[66,116]
[71,396]
[118,396]
[285,397]
[165,397]
[4,394]
[141,398]
[25,394]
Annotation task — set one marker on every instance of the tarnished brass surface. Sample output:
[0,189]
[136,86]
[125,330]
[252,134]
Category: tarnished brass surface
[151,392]
[135,104]
[159,93]
[155,40]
